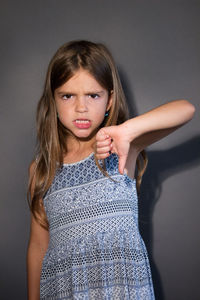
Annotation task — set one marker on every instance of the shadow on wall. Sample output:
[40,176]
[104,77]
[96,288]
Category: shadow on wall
[162,164]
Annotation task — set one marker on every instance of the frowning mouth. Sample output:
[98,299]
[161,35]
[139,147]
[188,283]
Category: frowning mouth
[82,123]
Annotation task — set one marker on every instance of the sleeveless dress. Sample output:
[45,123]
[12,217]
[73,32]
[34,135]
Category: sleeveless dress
[95,250]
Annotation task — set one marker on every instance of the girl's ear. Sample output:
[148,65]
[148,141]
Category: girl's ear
[109,104]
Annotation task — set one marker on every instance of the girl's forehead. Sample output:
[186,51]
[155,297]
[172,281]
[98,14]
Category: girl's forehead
[82,79]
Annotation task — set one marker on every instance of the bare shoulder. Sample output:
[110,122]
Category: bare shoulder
[131,161]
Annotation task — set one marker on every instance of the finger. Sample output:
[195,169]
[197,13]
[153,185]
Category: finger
[102,156]
[102,150]
[103,143]
[122,162]
[101,135]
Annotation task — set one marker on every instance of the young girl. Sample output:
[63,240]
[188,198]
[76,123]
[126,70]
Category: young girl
[84,239]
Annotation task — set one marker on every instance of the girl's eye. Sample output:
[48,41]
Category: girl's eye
[67,96]
[94,96]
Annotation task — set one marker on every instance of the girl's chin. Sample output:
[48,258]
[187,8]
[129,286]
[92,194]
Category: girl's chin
[84,134]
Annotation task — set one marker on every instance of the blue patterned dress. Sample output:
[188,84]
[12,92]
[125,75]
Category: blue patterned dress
[95,250]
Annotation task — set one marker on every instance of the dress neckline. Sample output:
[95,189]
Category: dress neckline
[80,161]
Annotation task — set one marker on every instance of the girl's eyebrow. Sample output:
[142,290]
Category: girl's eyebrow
[64,92]
[87,93]
[94,92]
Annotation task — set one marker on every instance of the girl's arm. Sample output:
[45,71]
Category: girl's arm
[37,247]
[143,130]
[38,243]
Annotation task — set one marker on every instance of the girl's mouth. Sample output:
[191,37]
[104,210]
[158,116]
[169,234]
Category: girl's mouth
[82,123]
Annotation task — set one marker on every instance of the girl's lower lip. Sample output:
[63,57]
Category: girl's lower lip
[83,125]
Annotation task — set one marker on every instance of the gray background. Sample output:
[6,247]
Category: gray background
[157,49]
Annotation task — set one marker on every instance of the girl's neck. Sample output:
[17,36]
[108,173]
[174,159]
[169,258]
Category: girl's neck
[78,150]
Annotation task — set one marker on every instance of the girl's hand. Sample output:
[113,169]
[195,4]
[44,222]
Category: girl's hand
[142,130]
[112,140]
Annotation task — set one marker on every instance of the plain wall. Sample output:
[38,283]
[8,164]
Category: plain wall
[157,49]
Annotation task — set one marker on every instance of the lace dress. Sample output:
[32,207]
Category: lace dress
[95,250]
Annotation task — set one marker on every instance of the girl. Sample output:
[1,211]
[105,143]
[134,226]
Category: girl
[84,238]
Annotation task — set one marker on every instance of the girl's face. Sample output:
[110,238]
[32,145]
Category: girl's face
[81,104]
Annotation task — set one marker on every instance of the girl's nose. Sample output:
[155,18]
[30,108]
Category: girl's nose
[81,105]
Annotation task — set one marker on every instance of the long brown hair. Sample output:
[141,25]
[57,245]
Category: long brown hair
[51,134]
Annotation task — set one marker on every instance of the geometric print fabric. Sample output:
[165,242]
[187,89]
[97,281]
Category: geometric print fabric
[95,250]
